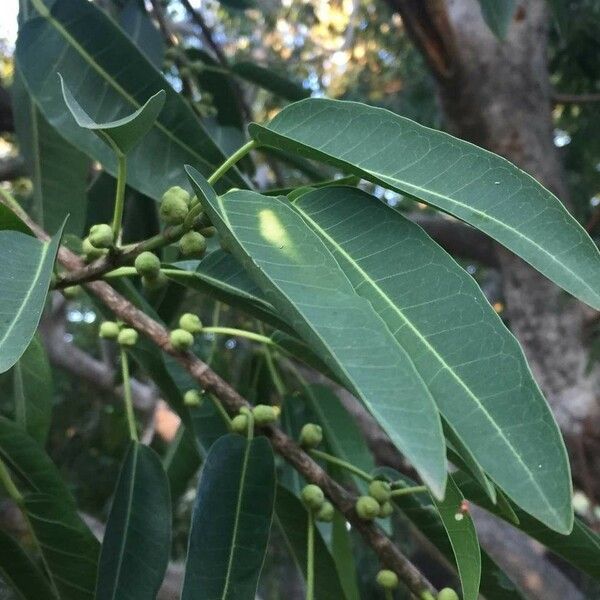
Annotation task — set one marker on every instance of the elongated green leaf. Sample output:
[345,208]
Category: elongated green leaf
[231,520]
[270,80]
[463,537]
[498,14]
[181,462]
[69,550]
[24,282]
[113,78]
[121,134]
[421,512]
[459,178]
[293,521]
[137,542]
[300,277]
[581,547]
[341,549]
[32,391]
[473,366]
[134,20]
[21,573]
[57,169]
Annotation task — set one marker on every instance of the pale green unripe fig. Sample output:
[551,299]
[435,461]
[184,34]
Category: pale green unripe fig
[192,398]
[181,339]
[127,337]
[312,497]
[209,231]
[380,490]
[386,510]
[448,594]
[367,508]
[147,264]
[239,424]
[311,435]
[72,291]
[192,243]
[387,579]
[155,283]
[265,414]
[101,236]
[190,322]
[174,205]
[326,513]
[90,252]
[109,330]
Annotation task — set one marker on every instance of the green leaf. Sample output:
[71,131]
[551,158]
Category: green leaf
[32,390]
[463,537]
[58,170]
[19,572]
[473,366]
[581,547]
[121,134]
[498,15]
[293,521]
[114,78]
[472,184]
[270,80]
[300,277]
[134,20]
[341,549]
[231,520]
[181,461]
[24,282]
[137,542]
[69,550]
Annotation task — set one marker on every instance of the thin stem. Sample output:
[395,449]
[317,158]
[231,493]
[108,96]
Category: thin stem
[234,158]
[120,272]
[119,195]
[127,396]
[334,460]
[310,558]
[388,594]
[426,595]
[246,411]
[275,376]
[250,335]
[9,484]
[409,490]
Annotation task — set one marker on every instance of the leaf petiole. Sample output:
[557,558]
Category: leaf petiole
[234,158]
[119,195]
[334,460]
[127,396]
[310,558]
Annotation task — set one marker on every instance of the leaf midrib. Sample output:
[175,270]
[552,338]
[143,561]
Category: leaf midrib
[45,13]
[433,351]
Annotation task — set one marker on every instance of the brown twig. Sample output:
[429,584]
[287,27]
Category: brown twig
[561,98]
[387,552]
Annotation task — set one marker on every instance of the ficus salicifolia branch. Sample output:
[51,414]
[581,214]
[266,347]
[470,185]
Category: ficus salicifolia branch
[389,555]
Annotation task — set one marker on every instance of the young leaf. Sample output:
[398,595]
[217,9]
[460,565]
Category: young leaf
[463,537]
[116,78]
[498,14]
[24,282]
[231,520]
[122,134]
[301,278]
[137,542]
[134,20]
[473,366]
[293,521]
[32,391]
[19,572]
[270,80]
[473,184]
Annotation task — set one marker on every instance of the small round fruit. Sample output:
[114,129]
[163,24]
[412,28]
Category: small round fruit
[192,243]
[311,435]
[155,283]
[174,205]
[239,424]
[326,513]
[147,264]
[109,330]
[181,339]
[264,414]
[367,508]
[190,322]
[312,497]
[448,594]
[90,252]
[101,236]
[127,337]
[386,510]
[380,490]
[192,398]
[387,579]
